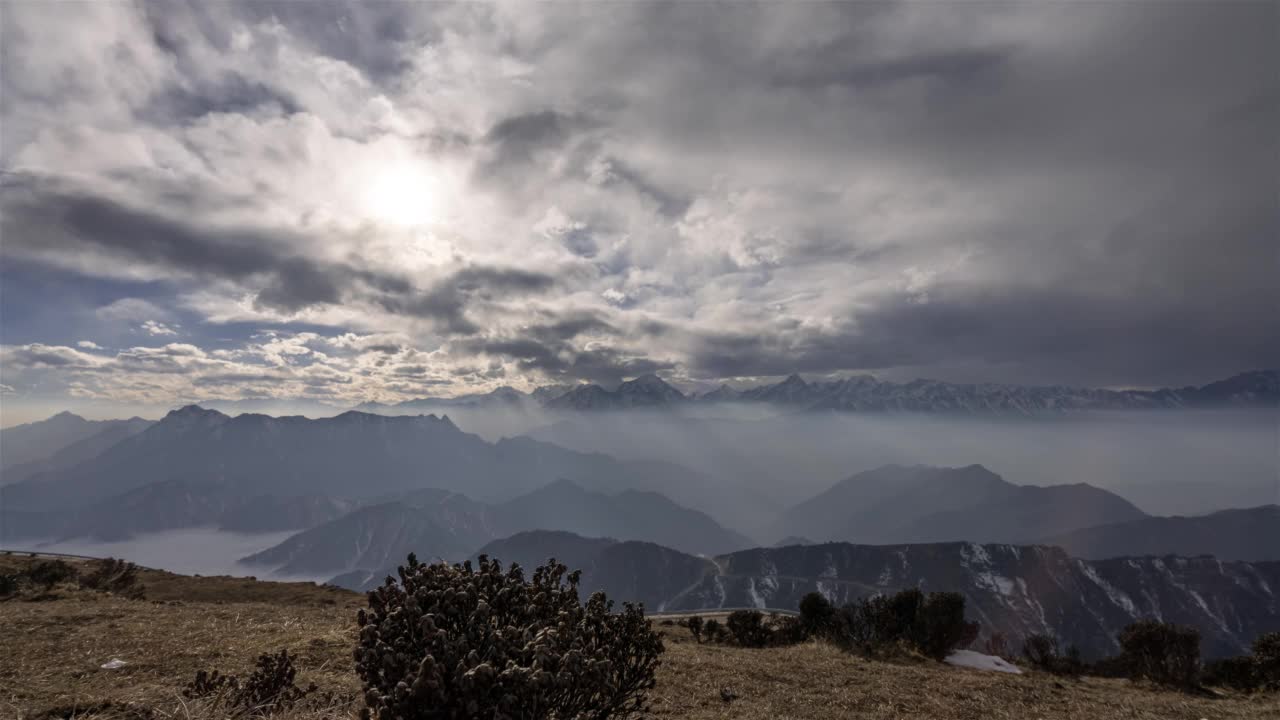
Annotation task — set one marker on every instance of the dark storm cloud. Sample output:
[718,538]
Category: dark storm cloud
[232,93]
[825,68]
[1036,336]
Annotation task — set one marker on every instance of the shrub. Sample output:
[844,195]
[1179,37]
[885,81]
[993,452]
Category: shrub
[714,631]
[931,624]
[997,644]
[1239,673]
[453,641]
[8,585]
[815,613]
[114,576]
[269,689]
[1266,655]
[1164,653]
[940,626]
[695,627]
[747,628]
[1041,651]
[47,573]
[786,630]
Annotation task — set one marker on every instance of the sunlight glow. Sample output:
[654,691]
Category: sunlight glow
[403,195]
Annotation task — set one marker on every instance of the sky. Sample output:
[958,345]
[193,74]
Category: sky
[343,202]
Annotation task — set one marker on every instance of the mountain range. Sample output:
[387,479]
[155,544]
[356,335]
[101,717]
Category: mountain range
[1011,589]
[357,456]
[864,393]
[61,441]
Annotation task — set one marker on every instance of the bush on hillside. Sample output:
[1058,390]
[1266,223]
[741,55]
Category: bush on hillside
[747,628]
[815,614]
[695,625]
[48,573]
[269,689]
[996,644]
[1259,671]
[8,585]
[115,576]
[1237,673]
[713,631]
[932,624]
[1041,652]
[1162,652]
[786,630]
[453,641]
[1266,654]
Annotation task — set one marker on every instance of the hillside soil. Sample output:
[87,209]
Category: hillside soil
[52,650]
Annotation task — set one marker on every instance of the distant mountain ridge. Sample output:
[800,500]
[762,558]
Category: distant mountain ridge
[864,393]
[898,504]
[1251,534]
[356,455]
[23,448]
[438,524]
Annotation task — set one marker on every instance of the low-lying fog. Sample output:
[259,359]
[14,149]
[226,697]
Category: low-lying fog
[1166,462]
[1188,462]
[200,551]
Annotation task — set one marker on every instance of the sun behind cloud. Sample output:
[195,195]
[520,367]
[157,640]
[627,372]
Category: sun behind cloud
[403,195]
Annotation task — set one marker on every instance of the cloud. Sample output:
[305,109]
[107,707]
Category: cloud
[88,345]
[151,327]
[413,196]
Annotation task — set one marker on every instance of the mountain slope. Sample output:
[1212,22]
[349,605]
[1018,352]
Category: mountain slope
[437,524]
[107,435]
[631,571]
[629,515]
[38,441]
[434,524]
[352,455]
[1251,534]
[894,504]
[1017,590]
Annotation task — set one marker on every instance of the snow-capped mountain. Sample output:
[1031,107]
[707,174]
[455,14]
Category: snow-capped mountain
[646,391]
[504,396]
[864,393]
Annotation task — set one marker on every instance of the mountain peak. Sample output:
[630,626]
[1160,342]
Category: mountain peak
[192,411]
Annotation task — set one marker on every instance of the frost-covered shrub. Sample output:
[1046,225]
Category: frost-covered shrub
[452,641]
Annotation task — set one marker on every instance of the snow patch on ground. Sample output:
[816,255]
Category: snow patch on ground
[978,661]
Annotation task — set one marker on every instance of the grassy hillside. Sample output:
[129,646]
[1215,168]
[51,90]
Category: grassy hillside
[52,649]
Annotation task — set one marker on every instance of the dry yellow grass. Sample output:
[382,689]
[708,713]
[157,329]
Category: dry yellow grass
[51,652]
